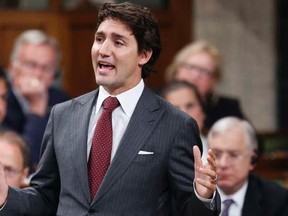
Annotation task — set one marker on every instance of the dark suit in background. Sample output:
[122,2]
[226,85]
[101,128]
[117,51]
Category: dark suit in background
[265,198]
[29,125]
[217,107]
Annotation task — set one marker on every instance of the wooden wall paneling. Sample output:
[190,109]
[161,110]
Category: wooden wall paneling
[12,23]
[75,33]
[78,77]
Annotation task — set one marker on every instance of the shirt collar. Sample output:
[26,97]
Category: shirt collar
[127,99]
[237,197]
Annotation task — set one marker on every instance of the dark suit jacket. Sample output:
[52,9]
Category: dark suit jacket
[265,198]
[135,184]
[30,126]
[218,107]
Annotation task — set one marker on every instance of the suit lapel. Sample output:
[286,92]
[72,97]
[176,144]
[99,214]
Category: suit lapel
[145,117]
[252,200]
[80,117]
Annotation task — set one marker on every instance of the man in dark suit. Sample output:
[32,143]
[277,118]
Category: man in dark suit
[154,155]
[235,145]
[34,60]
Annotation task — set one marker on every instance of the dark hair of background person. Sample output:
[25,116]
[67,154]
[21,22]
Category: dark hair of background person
[175,85]
[145,29]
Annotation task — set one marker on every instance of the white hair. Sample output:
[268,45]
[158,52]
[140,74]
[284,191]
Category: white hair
[229,123]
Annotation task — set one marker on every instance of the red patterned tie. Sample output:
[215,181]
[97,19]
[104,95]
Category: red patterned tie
[100,153]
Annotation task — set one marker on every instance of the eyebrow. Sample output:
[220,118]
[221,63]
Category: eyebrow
[114,35]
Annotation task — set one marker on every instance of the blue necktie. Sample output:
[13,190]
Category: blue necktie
[227,203]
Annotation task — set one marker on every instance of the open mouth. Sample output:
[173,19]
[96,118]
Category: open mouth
[106,65]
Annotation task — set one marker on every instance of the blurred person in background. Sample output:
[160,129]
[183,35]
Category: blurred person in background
[14,156]
[235,146]
[199,64]
[3,97]
[186,97]
[34,62]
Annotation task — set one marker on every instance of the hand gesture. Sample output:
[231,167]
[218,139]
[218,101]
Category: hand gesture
[3,186]
[205,175]
[35,92]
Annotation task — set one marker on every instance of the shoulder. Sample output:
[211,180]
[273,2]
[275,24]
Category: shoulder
[153,100]
[82,99]
[269,189]
[227,100]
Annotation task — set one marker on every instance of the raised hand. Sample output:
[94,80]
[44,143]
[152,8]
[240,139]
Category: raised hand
[3,186]
[205,175]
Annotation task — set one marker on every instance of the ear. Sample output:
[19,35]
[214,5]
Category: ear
[25,176]
[144,57]
[253,161]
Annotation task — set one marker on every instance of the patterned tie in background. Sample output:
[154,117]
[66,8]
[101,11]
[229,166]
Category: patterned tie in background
[100,153]
[227,204]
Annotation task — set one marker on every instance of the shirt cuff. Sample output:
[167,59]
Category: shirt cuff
[209,203]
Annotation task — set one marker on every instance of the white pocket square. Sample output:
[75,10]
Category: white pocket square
[145,153]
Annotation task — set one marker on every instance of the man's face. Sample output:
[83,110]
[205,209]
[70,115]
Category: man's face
[233,157]
[186,100]
[199,70]
[3,99]
[12,160]
[34,62]
[115,57]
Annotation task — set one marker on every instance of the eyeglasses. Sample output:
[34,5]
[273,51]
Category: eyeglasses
[231,156]
[202,71]
[11,172]
[32,65]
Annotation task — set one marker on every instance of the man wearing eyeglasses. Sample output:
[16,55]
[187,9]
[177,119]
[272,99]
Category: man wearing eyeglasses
[234,144]
[34,59]
[14,156]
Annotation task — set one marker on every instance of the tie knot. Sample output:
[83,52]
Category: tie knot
[111,103]
[228,203]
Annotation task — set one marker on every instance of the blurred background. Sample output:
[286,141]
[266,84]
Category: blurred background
[251,36]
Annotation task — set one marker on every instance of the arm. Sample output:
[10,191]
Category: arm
[42,197]
[182,173]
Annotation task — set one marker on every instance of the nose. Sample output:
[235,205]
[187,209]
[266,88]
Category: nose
[37,72]
[195,74]
[223,161]
[105,49]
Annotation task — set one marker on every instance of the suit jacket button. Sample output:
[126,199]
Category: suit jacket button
[91,211]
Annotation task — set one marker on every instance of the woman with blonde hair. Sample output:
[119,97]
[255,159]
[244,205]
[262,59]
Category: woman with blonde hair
[199,63]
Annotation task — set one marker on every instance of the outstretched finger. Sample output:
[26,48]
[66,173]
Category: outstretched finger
[197,157]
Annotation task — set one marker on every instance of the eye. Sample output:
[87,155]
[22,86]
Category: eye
[217,154]
[99,39]
[234,154]
[119,43]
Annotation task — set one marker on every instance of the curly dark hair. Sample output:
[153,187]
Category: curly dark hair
[143,25]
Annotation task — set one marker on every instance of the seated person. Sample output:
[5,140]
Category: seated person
[34,61]
[14,156]
[186,97]
[242,193]
[199,64]
[3,97]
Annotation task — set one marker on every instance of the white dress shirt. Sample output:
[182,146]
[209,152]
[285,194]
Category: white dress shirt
[120,116]
[238,198]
